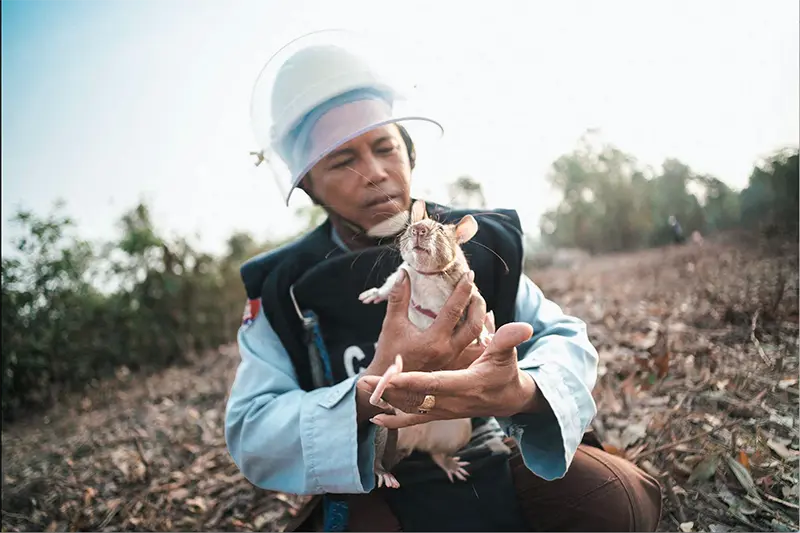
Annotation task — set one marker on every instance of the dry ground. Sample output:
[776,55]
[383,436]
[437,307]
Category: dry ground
[698,386]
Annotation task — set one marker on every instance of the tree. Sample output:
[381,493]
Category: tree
[466,192]
[770,200]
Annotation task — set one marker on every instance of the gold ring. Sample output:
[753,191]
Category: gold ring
[427,404]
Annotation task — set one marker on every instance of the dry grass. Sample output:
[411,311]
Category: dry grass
[698,385]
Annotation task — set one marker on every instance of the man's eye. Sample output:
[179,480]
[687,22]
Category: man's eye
[343,163]
[386,149]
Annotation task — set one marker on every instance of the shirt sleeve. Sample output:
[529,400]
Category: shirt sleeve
[286,439]
[563,363]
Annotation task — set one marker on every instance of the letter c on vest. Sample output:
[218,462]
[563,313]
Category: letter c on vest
[351,354]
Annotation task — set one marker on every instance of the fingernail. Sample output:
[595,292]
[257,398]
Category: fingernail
[471,276]
[400,278]
[377,422]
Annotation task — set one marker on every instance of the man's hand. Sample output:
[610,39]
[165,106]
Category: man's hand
[445,344]
[439,346]
[493,385]
[473,351]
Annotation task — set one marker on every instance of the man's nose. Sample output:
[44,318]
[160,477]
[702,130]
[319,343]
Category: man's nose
[374,169]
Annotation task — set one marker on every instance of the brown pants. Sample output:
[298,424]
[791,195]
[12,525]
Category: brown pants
[600,492]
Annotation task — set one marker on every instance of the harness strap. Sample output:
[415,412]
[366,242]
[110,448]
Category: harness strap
[425,311]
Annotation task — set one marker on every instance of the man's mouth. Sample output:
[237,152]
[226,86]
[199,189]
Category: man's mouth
[382,200]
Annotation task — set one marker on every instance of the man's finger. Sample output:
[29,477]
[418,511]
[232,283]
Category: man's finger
[399,297]
[401,420]
[454,307]
[506,339]
[410,388]
[472,326]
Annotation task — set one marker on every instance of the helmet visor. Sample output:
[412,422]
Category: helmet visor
[320,92]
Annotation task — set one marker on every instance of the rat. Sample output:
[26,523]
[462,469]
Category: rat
[434,262]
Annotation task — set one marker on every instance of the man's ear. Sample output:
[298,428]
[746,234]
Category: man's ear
[305,185]
[466,229]
[418,211]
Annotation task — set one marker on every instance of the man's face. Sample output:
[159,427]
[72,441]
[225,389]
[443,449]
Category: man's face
[365,180]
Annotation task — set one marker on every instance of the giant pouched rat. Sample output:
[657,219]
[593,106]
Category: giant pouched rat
[434,262]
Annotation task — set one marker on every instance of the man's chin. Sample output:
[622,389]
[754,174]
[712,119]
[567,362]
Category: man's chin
[390,222]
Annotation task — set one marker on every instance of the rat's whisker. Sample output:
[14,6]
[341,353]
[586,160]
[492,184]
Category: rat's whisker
[388,197]
[495,253]
[491,214]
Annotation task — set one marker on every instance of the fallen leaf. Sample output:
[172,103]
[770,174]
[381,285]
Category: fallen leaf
[199,503]
[178,494]
[705,469]
[718,528]
[785,421]
[780,526]
[743,460]
[686,527]
[88,495]
[784,452]
[786,383]
[270,517]
[743,476]
[661,363]
[633,433]
[613,450]
[728,497]
[791,493]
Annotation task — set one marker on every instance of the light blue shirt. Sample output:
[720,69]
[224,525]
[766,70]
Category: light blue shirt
[286,439]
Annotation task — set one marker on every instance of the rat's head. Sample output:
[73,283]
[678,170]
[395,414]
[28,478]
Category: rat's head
[429,245]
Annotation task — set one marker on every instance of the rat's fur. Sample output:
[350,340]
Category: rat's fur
[434,263]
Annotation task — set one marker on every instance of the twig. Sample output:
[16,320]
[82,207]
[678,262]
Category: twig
[790,505]
[755,340]
[673,498]
[738,516]
[684,441]
[141,452]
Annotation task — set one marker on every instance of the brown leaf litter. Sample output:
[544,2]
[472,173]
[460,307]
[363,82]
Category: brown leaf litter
[697,385]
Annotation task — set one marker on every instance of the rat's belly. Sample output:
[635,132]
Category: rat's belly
[439,436]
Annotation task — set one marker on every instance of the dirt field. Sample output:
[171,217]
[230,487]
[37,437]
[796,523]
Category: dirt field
[698,385]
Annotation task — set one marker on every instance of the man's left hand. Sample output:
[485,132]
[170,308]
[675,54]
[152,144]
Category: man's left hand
[493,385]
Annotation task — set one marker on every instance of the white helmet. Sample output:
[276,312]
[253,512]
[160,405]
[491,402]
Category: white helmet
[324,89]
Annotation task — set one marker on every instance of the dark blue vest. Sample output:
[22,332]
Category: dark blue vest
[309,292]
[326,281]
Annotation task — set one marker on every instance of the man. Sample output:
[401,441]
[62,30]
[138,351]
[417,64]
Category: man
[298,419]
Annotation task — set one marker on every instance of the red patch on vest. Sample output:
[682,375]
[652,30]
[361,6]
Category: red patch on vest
[251,309]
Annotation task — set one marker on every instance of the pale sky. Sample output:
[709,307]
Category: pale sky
[106,102]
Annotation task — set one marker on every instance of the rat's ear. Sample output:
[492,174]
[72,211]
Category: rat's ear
[418,211]
[466,229]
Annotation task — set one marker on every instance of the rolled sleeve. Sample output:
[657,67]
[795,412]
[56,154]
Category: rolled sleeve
[286,439]
[563,363]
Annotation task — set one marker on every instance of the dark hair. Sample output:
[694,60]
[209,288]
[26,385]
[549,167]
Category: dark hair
[412,159]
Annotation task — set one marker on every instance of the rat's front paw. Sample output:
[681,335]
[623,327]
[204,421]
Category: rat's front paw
[484,338]
[371,296]
[452,466]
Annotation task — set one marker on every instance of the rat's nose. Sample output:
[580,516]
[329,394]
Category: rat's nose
[419,231]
